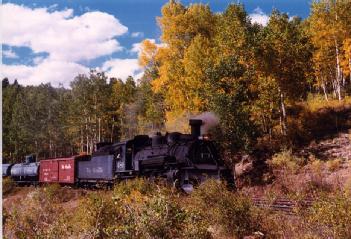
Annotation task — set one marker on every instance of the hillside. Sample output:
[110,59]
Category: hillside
[323,179]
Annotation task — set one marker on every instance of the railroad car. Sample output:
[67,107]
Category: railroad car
[6,169]
[60,170]
[27,172]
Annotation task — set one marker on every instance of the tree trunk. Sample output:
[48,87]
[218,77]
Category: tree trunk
[325,92]
[81,140]
[283,113]
[112,128]
[338,72]
[87,137]
[99,139]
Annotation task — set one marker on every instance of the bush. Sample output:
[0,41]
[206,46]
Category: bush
[97,217]
[37,217]
[232,212]
[8,185]
[286,161]
[138,209]
[126,187]
[331,215]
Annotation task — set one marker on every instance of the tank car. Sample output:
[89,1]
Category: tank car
[6,169]
[27,172]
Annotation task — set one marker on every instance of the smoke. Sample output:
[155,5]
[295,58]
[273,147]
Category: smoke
[209,119]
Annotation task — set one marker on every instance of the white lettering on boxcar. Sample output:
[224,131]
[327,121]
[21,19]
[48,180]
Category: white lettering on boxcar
[66,166]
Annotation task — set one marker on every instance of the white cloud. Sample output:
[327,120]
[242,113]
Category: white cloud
[9,54]
[61,35]
[259,17]
[67,39]
[48,71]
[137,34]
[122,68]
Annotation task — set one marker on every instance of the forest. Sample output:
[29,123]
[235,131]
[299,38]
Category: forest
[271,86]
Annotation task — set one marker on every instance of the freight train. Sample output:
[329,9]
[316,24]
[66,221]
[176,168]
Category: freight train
[183,159]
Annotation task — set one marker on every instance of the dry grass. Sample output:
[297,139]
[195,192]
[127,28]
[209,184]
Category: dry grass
[334,165]
[318,102]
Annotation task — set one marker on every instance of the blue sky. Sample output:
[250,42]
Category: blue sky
[53,41]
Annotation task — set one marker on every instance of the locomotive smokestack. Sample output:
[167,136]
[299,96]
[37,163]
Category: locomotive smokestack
[195,125]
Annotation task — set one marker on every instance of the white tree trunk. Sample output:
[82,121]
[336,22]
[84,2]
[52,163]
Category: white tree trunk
[338,72]
[99,129]
[283,113]
[324,91]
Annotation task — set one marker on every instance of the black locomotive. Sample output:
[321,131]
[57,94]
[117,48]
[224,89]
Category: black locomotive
[183,159]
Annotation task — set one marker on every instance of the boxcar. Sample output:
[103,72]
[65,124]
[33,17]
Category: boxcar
[48,171]
[67,169]
[58,170]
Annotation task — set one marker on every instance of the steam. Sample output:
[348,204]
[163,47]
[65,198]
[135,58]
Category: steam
[209,121]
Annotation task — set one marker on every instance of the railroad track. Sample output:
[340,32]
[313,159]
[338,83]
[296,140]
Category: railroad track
[282,205]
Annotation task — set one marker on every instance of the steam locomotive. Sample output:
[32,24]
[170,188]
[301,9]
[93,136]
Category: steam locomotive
[182,159]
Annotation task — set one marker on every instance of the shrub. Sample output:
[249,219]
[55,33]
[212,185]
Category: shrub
[126,187]
[138,209]
[347,187]
[233,212]
[331,215]
[8,185]
[317,167]
[37,217]
[285,160]
[97,217]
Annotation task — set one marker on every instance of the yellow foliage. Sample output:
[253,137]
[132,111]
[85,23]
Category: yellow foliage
[148,53]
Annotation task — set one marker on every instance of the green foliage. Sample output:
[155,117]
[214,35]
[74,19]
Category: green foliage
[230,100]
[56,122]
[97,216]
[126,187]
[138,209]
[285,160]
[232,212]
